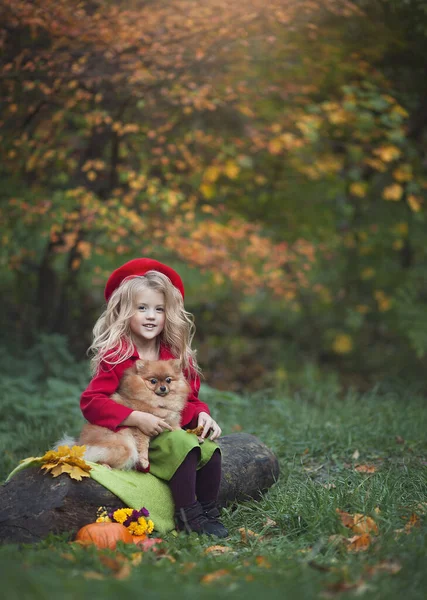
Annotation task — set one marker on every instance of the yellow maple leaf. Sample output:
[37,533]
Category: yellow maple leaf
[77,473]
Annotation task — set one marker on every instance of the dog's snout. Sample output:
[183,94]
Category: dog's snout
[163,388]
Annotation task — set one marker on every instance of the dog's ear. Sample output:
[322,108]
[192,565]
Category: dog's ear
[176,365]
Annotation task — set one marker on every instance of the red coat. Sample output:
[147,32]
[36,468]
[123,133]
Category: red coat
[98,408]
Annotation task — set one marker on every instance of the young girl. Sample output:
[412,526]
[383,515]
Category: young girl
[145,318]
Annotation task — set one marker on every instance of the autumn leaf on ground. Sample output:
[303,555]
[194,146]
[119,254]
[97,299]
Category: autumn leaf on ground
[355,454]
[358,523]
[247,534]
[359,543]
[211,577]
[93,575]
[261,561]
[386,566]
[217,550]
[333,589]
[365,468]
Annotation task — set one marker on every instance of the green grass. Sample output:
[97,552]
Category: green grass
[315,434]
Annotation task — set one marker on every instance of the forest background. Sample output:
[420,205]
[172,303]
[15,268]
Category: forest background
[274,153]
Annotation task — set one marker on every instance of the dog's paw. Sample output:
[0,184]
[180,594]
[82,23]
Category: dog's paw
[141,468]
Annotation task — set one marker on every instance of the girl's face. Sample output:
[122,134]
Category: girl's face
[149,318]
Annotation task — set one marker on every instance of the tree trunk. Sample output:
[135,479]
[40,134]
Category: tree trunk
[34,504]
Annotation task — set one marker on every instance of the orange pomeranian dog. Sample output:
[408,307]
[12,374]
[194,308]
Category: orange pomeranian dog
[157,387]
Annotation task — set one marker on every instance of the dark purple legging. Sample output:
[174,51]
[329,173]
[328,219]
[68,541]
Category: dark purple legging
[188,484]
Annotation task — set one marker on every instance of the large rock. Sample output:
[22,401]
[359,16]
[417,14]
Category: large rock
[34,504]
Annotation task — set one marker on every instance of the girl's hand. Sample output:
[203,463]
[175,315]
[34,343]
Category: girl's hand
[147,423]
[208,423]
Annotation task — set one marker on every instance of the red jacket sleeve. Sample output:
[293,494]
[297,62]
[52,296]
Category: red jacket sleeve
[95,402]
[194,406]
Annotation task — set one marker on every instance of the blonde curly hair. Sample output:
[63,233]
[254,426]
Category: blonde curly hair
[112,339]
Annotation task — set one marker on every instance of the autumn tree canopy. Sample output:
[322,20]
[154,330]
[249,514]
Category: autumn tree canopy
[277,146]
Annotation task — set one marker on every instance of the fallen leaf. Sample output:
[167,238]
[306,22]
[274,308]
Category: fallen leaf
[236,427]
[364,524]
[261,561]
[124,572]
[196,431]
[247,534]
[136,558]
[306,451]
[68,556]
[93,575]
[329,486]
[148,544]
[217,549]
[336,539]
[358,523]
[249,577]
[414,521]
[343,586]
[211,577]
[365,468]
[399,439]
[187,567]
[386,566]
[346,518]
[270,523]
[355,455]
[359,543]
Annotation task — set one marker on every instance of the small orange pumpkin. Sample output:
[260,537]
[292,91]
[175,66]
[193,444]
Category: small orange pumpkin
[104,535]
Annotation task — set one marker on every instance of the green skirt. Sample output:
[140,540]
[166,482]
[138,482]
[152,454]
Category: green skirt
[168,450]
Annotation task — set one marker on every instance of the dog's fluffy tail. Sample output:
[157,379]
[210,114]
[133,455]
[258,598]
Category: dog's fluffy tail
[66,440]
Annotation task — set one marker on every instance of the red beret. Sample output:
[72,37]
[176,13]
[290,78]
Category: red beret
[138,267]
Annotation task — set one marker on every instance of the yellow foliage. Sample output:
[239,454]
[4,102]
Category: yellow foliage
[231,169]
[64,460]
[211,174]
[358,189]
[275,146]
[342,344]
[362,309]
[367,273]
[376,164]
[393,192]
[403,173]
[207,190]
[414,203]
[387,153]
[383,301]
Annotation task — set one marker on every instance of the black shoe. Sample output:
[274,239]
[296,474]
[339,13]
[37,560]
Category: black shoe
[192,518]
[211,512]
